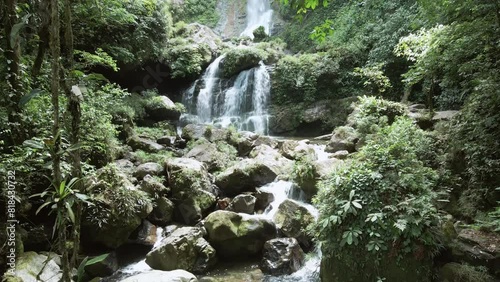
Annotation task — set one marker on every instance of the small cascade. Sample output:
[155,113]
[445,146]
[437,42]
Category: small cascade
[259,13]
[240,102]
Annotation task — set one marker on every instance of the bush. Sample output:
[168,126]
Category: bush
[380,205]
[200,11]
[259,34]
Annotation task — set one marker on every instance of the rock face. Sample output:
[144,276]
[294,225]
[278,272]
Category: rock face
[244,177]
[282,256]
[163,276]
[162,109]
[243,204]
[186,249]
[152,169]
[263,200]
[292,219]
[31,267]
[234,235]
[191,189]
[203,35]
[144,234]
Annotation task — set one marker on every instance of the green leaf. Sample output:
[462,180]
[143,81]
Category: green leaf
[98,259]
[26,98]
[33,144]
[42,206]
[70,212]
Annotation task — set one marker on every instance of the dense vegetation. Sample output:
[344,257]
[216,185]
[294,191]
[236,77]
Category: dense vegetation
[64,121]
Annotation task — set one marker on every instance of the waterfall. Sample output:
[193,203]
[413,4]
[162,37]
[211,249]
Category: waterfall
[259,13]
[240,102]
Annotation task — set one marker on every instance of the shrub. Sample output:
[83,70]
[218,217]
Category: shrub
[380,205]
[259,34]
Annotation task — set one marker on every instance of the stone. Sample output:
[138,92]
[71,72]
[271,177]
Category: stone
[263,200]
[125,165]
[153,169]
[282,256]
[237,235]
[209,154]
[326,167]
[273,159]
[161,108]
[162,276]
[341,155]
[344,138]
[162,212]
[184,248]
[192,190]
[204,35]
[292,219]
[144,235]
[165,140]
[33,267]
[197,131]
[153,187]
[243,203]
[144,144]
[244,176]
[102,266]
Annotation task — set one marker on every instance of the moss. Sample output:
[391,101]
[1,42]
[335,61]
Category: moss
[259,34]
[240,59]
[186,58]
[200,11]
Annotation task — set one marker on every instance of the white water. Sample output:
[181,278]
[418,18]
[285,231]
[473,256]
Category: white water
[259,13]
[142,266]
[240,102]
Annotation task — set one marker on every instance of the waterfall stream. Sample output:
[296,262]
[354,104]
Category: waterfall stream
[259,13]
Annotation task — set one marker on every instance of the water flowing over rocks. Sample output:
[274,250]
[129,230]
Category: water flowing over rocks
[163,276]
[282,256]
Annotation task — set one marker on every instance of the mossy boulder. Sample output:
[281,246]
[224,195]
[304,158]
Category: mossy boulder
[31,266]
[271,158]
[191,187]
[344,139]
[185,249]
[118,208]
[240,59]
[153,169]
[236,235]
[292,220]
[161,108]
[282,256]
[144,144]
[215,156]
[244,176]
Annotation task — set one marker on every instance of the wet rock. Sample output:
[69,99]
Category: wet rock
[162,212]
[197,131]
[292,219]
[209,154]
[151,168]
[263,200]
[341,155]
[102,266]
[165,140]
[144,235]
[282,256]
[272,159]
[326,167]
[163,276]
[147,145]
[244,176]
[184,248]
[125,165]
[243,203]
[191,187]
[236,235]
[161,108]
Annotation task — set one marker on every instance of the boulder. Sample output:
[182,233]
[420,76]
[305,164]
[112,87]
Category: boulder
[265,140]
[125,166]
[240,59]
[162,276]
[326,167]
[33,267]
[209,154]
[153,187]
[204,35]
[272,159]
[341,155]
[144,144]
[191,187]
[292,219]
[236,235]
[243,203]
[162,212]
[184,248]
[144,235]
[295,150]
[282,256]
[244,176]
[161,108]
[344,138]
[151,168]
[244,143]
[263,200]
[102,266]
[165,140]
[197,131]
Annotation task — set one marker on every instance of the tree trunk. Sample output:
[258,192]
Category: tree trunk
[13,56]
[43,35]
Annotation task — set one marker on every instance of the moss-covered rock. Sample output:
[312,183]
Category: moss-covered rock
[244,176]
[235,235]
[31,266]
[240,59]
[161,108]
[292,220]
[192,190]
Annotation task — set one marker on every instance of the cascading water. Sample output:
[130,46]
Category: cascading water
[241,101]
[259,13]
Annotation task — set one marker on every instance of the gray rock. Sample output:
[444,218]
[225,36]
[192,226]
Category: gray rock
[344,138]
[243,203]
[33,267]
[184,248]
[282,256]
[236,235]
[165,140]
[144,235]
[272,159]
[163,109]
[162,276]
[102,266]
[147,145]
[444,116]
[151,168]
[292,219]
[153,187]
[341,155]
[162,212]
[263,200]
[244,177]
